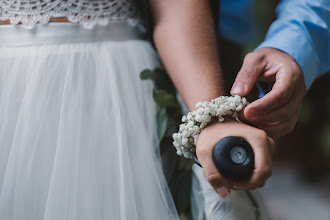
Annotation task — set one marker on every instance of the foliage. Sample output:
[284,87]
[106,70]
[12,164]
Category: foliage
[177,169]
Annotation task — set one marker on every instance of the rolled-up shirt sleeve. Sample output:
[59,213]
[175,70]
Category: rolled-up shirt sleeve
[302,30]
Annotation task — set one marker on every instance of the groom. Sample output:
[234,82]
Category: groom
[294,53]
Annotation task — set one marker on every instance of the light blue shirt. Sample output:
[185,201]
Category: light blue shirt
[302,30]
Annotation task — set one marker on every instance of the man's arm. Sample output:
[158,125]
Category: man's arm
[295,52]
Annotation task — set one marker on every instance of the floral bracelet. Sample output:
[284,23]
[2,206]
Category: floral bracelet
[194,122]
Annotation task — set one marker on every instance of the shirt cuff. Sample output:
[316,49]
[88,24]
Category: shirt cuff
[295,43]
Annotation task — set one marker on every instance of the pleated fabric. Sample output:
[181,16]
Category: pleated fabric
[78,136]
[207,204]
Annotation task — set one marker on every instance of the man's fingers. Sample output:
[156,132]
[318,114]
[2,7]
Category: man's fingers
[272,100]
[278,129]
[217,181]
[247,76]
[280,94]
[283,113]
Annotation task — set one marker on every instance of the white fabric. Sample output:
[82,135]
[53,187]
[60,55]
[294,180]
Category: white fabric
[61,33]
[78,133]
[87,12]
[209,205]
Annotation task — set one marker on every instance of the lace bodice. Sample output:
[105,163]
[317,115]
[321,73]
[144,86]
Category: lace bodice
[85,12]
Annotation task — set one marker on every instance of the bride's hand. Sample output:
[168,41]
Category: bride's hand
[262,145]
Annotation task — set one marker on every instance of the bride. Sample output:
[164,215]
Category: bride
[78,131]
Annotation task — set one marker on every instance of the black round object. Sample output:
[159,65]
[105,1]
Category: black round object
[196,160]
[234,158]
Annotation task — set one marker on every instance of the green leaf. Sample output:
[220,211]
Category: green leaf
[160,70]
[147,74]
[161,123]
[163,81]
[163,98]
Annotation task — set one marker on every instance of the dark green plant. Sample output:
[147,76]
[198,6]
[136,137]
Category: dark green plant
[177,169]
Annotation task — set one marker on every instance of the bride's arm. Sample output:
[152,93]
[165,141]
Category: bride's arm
[185,39]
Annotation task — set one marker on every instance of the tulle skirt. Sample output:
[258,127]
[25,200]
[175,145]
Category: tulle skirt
[78,136]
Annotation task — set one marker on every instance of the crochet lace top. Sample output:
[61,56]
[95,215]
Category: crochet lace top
[86,12]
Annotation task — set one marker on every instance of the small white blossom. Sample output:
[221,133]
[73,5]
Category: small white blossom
[195,128]
[189,116]
[191,140]
[198,118]
[200,111]
[244,101]
[190,124]
[232,106]
[185,139]
[185,134]
[239,108]
[176,144]
[199,104]
[182,127]
[187,154]
[207,110]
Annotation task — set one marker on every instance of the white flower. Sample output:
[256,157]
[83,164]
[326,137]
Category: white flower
[191,140]
[244,101]
[185,134]
[200,111]
[221,119]
[239,108]
[203,125]
[179,152]
[187,155]
[189,116]
[207,110]
[198,118]
[190,124]
[232,106]
[206,118]
[199,104]
[184,141]
[219,112]
[195,128]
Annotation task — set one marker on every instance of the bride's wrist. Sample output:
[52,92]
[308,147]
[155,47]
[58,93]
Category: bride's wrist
[219,108]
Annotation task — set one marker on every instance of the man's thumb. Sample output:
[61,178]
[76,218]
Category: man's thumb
[247,76]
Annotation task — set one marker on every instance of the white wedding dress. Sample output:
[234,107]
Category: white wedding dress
[78,132]
[77,125]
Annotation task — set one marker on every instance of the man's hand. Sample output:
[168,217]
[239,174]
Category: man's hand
[277,112]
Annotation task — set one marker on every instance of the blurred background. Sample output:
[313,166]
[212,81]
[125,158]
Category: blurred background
[300,186]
